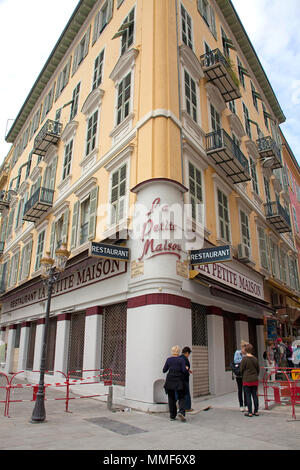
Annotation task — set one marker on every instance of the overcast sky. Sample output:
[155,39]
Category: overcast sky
[29,30]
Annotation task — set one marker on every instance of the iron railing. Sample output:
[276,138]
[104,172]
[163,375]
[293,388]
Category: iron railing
[2,245]
[267,144]
[50,127]
[216,57]
[275,209]
[220,139]
[41,195]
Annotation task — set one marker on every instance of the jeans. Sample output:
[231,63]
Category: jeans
[172,402]
[241,391]
[187,397]
[251,393]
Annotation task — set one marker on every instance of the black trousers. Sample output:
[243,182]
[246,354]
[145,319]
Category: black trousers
[172,402]
[251,393]
[241,392]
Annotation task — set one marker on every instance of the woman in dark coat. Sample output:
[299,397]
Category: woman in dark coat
[175,382]
[249,369]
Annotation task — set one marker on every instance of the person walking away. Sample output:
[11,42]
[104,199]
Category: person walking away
[296,355]
[175,382]
[238,356]
[185,354]
[270,360]
[289,356]
[250,371]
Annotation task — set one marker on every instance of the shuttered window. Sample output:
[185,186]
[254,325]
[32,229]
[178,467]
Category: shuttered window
[246,119]
[245,229]
[200,350]
[48,102]
[190,96]
[128,33]
[264,255]
[208,14]
[63,78]
[14,269]
[98,70]
[25,261]
[124,94]
[195,188]
[75,102]
[118,194]
[10,222]
[92,127]
[102,19]
[81,50]
[40,249]
[68,159]
[186,28]
[84,219]
[223,213]
[254,176]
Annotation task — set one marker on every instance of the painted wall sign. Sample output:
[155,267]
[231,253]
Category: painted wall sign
[227,275]
[137,268]
[85,273]
[102,250]
[216,254]
[156,235]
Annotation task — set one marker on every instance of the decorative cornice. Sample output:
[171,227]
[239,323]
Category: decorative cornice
[236,125]
[69,131]
[125,62]
[93,101]
[189,60]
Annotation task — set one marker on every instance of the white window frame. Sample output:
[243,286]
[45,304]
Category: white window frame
[246,213]
[181,28]
[102,69]
[134,32]
[38,256]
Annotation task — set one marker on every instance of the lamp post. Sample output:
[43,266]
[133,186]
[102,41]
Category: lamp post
[51,270]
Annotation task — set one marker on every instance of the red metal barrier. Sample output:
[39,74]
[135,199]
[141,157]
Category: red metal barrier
[286,392]
[106,377]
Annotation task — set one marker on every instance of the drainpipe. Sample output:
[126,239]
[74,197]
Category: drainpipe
[179,92]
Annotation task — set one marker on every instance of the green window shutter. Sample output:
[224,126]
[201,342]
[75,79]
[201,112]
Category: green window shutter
[10,222]
[87,42]
[53,174]
[119,3]
[96,27]
[65,228]
[68,71]
[93,213]
[110,8]
[7,273]
[74,225]
[75,60]
[213,22]
[3,228]
[52,237]
[200,7]
[58,86]
[23,262]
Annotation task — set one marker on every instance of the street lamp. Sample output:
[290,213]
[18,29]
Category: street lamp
[51,270]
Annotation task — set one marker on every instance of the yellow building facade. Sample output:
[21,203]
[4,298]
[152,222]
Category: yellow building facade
[155,103]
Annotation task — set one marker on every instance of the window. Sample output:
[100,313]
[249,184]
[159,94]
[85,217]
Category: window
[254,176]
[195,188]
[35,123]
[25,261]
[118,193]
[51,343]
[245,229]
[84,220]
[227,43]
[123,103]
[215,119]
[14,269]
[98,70]
[59,231]
[40,250]
[223,215]
[103,17]
[264,256]
[283,266]
[49,177]
[254,96]
[246,118]
[67,159]
[10,222]
[190,96]
[274,259]
[48,102]
[232,106]
[186,25]
[81,50]
[265,116]
[267,190]
[128,32]
[75,101]
[241,74]
[63,78]
[295,220]
[91,133]
[19,218]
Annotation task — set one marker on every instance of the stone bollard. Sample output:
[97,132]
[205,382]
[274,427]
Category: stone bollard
[110,398]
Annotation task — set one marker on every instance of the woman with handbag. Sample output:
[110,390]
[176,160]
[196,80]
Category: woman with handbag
[175,383]
[238,356]
[250,371]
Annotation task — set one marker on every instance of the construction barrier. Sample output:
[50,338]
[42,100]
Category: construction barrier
[104,376]
[281,391]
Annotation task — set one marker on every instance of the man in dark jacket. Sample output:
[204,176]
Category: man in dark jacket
[185,356]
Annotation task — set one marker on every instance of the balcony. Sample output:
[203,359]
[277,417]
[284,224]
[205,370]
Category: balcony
[48,135]
[5,199]
[268,148]
[227,155]
[38,204]
[278,217]
[218,70]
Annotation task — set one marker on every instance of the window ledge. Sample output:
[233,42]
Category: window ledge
[85,246]
[122,129]
[89,160]
[192,127]
[64,184]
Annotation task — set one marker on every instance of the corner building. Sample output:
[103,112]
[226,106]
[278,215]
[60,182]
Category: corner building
[151,104]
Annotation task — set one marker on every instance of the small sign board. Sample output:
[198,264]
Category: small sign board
[103,250]
[137,268]
[217,254]
[182,269]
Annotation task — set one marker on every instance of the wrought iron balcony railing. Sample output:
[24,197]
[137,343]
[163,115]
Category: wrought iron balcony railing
[38,204]
[5,199]
[226,154]
[48,135]
[2,245]
[218,70]
[268,148]
[278,216]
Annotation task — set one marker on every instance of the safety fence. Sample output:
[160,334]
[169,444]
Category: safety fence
[8,387]
[281,386]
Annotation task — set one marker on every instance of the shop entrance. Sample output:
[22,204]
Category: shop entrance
[76,344]
[200,351]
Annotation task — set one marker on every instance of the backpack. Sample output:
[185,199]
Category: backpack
[235,369]
[265,355]
[288,353]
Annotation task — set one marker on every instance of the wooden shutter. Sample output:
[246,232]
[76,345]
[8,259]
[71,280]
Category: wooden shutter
[213,21]
[96,27]
[27,261]
[53,174]
[64,237]
[3,228]
[10,222]
[23,258]
[58,86]
[200,7]
[52,237]
[74,225]
[110,8]
[93,213]
[75,59]
[87,42]
[119,3]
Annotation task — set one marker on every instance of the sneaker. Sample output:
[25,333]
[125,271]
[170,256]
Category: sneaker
[181,417]
[242,409]
[172,419]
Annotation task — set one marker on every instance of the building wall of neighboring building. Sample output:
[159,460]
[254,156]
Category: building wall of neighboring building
[167,110]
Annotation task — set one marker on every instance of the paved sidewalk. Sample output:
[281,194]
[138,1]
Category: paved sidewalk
[90,426]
